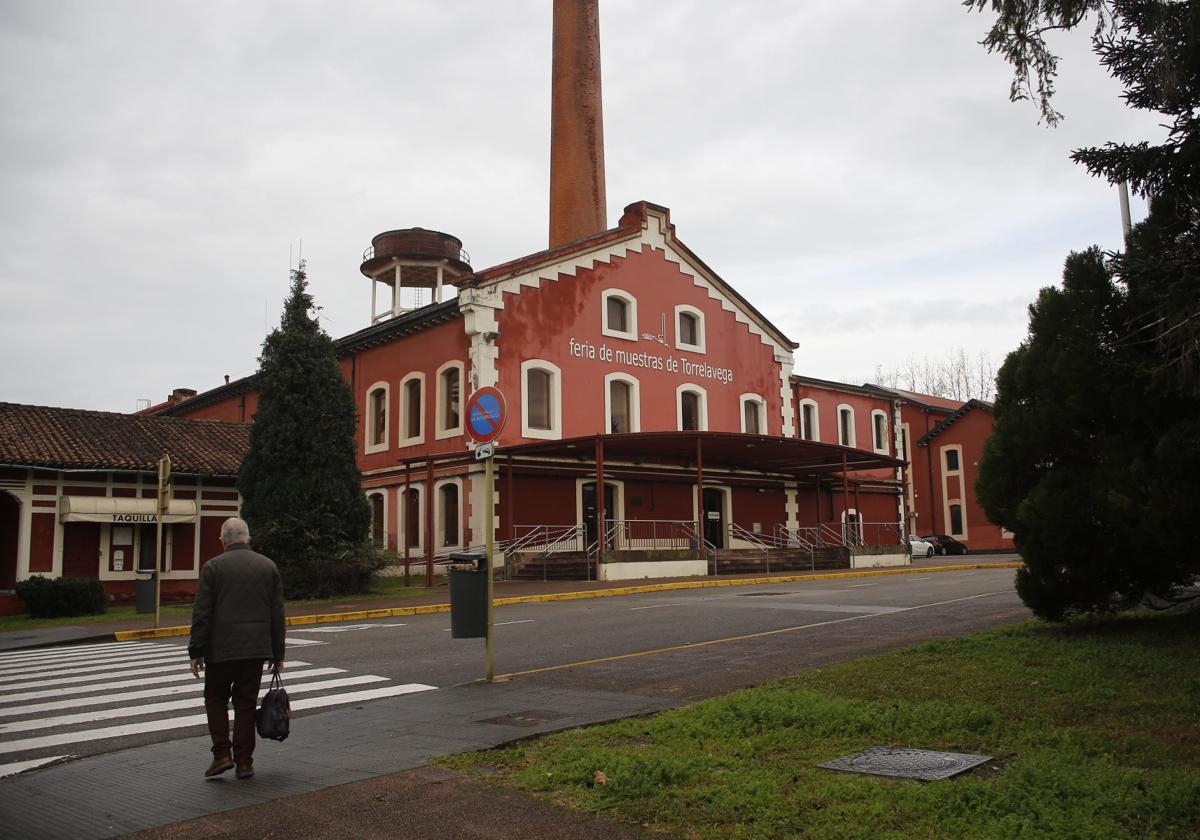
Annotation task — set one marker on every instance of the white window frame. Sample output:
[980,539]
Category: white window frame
[441,431]
[757,400]
[635,401]
[369,419]
[957,499]
[860,535]
[853,436]
[412,440]
[701,332]
[816,415]
[703,405]
[631,319]
[881,438]
[381,492]
[402,523]
[555,430]
[439,514]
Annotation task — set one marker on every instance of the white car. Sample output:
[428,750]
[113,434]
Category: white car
[919,547]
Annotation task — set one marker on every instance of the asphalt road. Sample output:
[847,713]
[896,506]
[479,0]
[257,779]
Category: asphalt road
[680,645]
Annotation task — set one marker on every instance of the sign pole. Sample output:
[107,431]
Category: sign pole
[489,480]
[164,504]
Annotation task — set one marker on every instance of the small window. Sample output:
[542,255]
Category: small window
[448,511]
[620,314]
[751,418]
[879,431]
[754,412]
[693,409]
[375,418]
[809,426]
[846,425]
[689,328]
[951,460]
[541,404]
[620,397]
[956,520]
[449,400]
[412,409]
[539,395]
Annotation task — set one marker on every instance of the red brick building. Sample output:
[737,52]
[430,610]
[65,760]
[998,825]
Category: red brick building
[78,495]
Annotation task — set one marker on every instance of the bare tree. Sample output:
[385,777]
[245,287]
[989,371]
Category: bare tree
[954,376]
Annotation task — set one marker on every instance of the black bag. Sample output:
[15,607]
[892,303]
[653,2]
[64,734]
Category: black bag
[274,717]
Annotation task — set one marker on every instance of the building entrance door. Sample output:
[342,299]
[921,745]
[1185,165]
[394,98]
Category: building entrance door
[81,549]
[714,517]
[590,534]
[10,522]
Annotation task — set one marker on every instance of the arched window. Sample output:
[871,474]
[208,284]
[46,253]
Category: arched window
[620,314]
[754,413]
[845,425]
[449,400]
[376,418]
[689,328]
[879,431]
[449,518]
[378,520]
[810,424]
[411,522]
[412,409]
[692,405]
[541,403]
[622,403]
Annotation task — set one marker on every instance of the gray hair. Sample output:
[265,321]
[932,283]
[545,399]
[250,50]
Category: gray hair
[234,530]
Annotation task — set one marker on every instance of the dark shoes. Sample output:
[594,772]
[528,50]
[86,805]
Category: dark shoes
[245,769]
[220,764]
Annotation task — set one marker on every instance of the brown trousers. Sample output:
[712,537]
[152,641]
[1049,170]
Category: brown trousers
[240,680]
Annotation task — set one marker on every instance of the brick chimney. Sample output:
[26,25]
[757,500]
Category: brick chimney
[577,201]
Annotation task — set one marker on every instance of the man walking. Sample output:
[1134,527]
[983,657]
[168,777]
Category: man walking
[237,624]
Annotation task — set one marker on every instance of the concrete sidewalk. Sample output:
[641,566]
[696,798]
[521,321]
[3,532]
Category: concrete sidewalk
[438,600]
[360,772]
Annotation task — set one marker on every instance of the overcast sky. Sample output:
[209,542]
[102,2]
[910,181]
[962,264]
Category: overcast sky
[853,167]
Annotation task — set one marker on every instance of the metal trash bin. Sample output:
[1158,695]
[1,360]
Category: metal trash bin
[468,596]
[144,589]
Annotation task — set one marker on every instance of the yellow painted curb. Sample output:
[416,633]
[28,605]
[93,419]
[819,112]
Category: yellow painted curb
[426,609]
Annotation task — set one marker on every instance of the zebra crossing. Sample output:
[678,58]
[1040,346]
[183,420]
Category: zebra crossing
[56,700]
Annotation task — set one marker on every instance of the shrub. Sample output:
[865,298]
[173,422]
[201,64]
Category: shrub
[65,596]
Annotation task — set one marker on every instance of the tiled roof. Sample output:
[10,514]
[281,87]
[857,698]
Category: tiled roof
[68,438]
[927,400]
[953,418]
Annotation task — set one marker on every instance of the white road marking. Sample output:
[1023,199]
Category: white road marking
[195,720]
[126,669]
[98,656]
[522,621]
[169,706]
[304,642]
[5,656]
[21,766]
[861,585]
[120,697]
[342,629]
[655,606]
[84,689]
[86,666]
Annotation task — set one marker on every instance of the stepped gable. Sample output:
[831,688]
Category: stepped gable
[69,438]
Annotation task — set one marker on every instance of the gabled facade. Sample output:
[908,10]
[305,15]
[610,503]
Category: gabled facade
[622,334]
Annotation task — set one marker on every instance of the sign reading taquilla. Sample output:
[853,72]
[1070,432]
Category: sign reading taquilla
[670,364]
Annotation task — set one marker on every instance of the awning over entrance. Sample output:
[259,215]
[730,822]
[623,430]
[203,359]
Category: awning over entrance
[123,511]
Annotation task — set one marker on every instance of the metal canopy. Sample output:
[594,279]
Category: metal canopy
[763,453]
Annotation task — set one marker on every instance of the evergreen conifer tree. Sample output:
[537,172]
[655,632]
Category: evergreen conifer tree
[301,487]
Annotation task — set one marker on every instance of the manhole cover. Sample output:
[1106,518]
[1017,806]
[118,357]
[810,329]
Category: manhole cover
[929,765]
[529,717]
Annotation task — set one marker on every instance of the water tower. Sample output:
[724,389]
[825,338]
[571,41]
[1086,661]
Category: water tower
[414,264]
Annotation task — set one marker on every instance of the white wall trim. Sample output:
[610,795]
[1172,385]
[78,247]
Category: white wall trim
[406,439]
[703,401]
[555,430]
[439,513]
[853,432]
[701,346]
[369,419]
[630,334]
[402,523]
[762,411]
[440,430]
[883,438]
[816,420]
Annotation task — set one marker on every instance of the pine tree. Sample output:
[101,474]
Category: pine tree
[301,487]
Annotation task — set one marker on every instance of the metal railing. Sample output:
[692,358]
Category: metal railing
[650,534]
[546,541]
[763,542]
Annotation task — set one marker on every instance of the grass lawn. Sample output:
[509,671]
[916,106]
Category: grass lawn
[381,587]
[1095,729]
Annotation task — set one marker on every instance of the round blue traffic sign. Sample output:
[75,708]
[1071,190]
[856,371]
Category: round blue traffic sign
[485,414]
